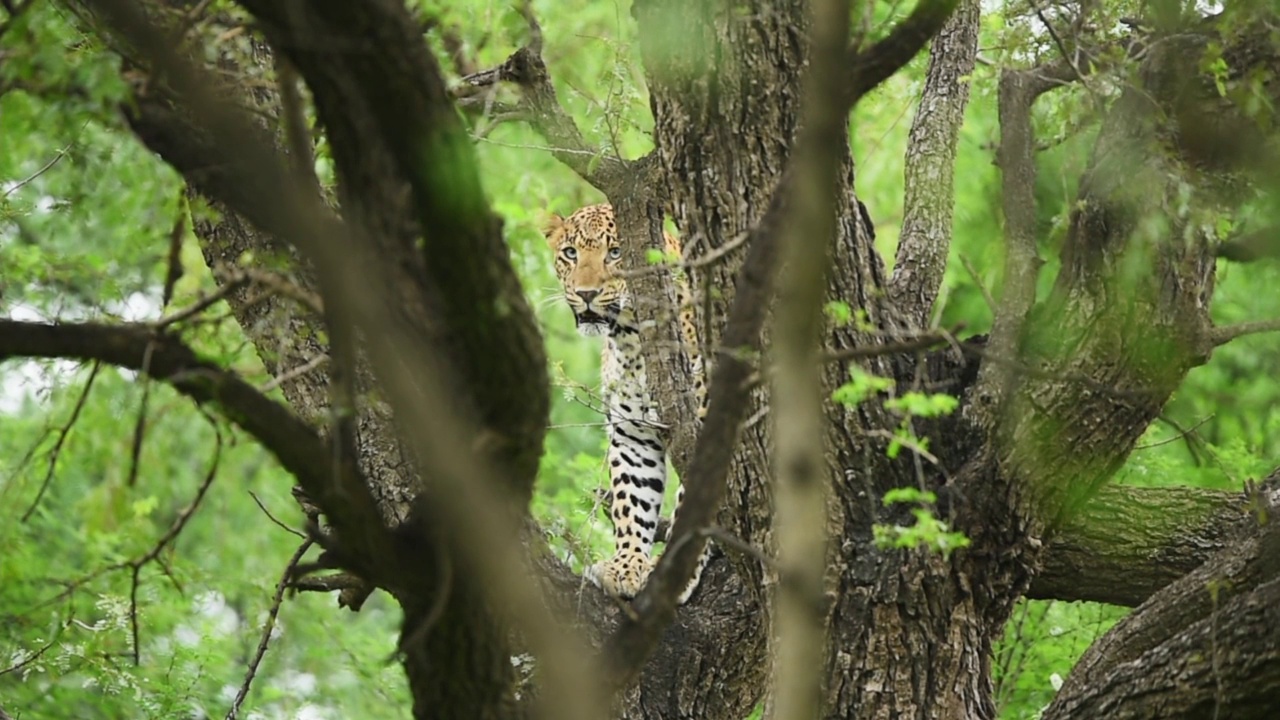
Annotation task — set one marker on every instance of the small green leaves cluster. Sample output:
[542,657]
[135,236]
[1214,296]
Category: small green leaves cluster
[928,531]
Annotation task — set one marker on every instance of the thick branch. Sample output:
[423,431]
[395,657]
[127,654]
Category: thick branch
[1208,645]
[1226,333]
[1129,542]
[1248,247]
[294,443]
[930,167]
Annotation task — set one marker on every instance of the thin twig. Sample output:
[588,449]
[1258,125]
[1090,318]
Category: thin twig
[728,539]
[47,166]
[30,658]
[62,437]
[273,518]
[274,282]
[179,523]
[140,426]
[1182,433]
[977,280]
[267,627]
[924,341]
[909,444]
[1062,47]
[293,373]
[701,261]
[202,304]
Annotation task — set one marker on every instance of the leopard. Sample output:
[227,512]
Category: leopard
[587,259]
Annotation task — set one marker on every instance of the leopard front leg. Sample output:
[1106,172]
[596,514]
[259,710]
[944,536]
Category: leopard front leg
[637,474]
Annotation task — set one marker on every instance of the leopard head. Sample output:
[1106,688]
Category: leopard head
[587,257]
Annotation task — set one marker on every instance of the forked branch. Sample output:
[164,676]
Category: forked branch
[541,108]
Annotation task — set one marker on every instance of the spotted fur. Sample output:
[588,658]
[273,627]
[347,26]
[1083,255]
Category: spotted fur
[587,261]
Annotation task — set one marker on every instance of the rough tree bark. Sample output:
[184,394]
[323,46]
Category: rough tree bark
[1052,405]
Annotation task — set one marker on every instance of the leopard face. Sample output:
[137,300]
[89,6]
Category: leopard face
[587,258]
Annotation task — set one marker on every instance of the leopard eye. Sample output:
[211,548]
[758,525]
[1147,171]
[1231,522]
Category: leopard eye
[570,253]
[615,253]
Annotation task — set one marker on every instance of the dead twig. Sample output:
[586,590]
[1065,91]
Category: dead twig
[174,530]
[264,639]
[293,373]
[273,518]
[46,168]
[202,304]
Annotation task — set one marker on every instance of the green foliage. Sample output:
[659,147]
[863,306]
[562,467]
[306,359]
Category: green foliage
[68,619]
[927,531]
[861,386]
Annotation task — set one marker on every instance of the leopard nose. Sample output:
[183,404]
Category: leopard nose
[587,295]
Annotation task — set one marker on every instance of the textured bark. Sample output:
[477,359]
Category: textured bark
[1207,645]
[1128,542]
[930,168]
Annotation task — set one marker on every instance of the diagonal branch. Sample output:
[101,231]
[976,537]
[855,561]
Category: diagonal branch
[878,63]
[540,107]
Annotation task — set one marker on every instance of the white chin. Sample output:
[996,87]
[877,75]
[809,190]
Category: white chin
[593,329]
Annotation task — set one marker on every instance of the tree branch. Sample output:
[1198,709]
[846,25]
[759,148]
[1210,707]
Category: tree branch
[802,477]
[809,178]
[1225,334]
[1129,542]
[295,444]
[878,63]
[1018,91]
[930,167]
[469,502]
[539,106]
[1208,644]
[1250,246]
[390,117]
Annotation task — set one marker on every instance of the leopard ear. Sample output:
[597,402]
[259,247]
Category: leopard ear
[552,228]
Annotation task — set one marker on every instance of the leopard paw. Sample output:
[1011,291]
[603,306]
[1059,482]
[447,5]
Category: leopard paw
[621,575]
